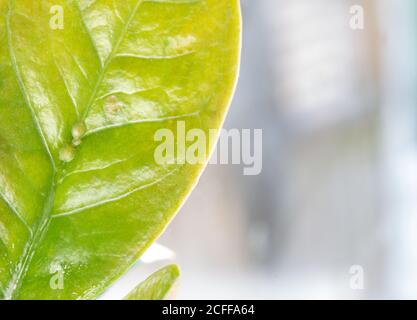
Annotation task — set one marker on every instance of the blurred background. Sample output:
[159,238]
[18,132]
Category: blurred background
[338,189]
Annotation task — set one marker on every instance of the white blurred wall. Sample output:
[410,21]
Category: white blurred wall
[336,107]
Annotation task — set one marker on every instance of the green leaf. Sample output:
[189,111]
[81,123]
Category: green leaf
[81,196]
[158,286]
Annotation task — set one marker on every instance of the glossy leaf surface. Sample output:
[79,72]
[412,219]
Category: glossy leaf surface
[84,86]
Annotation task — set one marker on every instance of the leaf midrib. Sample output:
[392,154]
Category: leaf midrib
[42,223]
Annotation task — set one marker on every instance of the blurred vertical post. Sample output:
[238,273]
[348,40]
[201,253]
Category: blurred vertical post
[399,119]
[326,93]
[338,188]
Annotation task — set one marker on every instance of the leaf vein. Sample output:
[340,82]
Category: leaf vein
[124,195]
[16,212]
[110,57]
[132,122]
[70,95]
[22,86]
[155,57]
